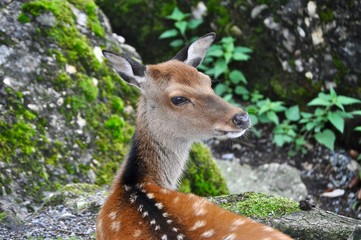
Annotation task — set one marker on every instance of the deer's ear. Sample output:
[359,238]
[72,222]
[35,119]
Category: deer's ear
[130,70]
[194,54]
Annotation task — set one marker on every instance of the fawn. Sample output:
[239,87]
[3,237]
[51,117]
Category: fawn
[177,107]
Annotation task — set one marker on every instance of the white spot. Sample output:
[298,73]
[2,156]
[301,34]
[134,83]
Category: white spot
[150,195]
[98,53]
[159,205]
[70,69]
[180,237]
[137,233]
[60,101]
[198,207]
[311,8]
[7,81]
[140,208]
[175,200]
[95,81]
[127,188]
[309,75]
[157,228]
[152,222]
[115,226]
[201,212]
[230,237]
[112,215]
[145,214]
[197,224]
[208,233]
[34,107]
[239,222]
[80,121]
[165,191]
[165,214]
[133,197]
[175,229]
[169,221]
[164,237]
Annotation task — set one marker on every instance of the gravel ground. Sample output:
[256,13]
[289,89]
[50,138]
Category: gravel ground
[73,219]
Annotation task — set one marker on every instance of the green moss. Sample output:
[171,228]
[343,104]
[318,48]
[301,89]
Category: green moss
[90,91]
[203,176]
[326,15]
[23,18]
[2,216]
[89,7]
[257,205]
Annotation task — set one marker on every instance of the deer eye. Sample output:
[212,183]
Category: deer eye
[179,100]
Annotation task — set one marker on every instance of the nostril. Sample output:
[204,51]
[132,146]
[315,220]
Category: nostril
[241,120]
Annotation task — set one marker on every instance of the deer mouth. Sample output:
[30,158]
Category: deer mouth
[230,134]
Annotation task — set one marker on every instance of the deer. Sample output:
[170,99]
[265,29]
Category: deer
[177,107]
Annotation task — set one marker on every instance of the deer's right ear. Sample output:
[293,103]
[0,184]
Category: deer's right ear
[194,54]
[130,70]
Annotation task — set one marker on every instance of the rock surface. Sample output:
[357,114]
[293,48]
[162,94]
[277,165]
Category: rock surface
[274,178]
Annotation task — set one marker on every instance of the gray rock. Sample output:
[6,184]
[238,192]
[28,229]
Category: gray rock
[274,178]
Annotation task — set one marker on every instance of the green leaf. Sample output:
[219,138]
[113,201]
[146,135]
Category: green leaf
[228,97]
[273,117]
[220,89]
[227,56]
[333,94]
[240,90]
[215,51]
[319,102]
[237,76]
[326,138]
[177,15]
[169,34]
[243,49]
[194,23]
[337,120]
[347,100]
[239,56]
[358,112]
[279,140]
[177,43]
[219,68]
[293,113]
[254,119]
[358,128]
[182,26]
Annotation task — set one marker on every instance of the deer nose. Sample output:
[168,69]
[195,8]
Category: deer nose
[241,120]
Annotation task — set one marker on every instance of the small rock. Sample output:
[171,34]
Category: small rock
[70,69]
[228,156]
[334,193]
[257,10]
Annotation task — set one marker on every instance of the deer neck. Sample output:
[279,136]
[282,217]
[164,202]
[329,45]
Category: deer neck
[155,155]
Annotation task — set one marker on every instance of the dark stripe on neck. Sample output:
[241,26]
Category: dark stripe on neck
[133,171]
[155,217]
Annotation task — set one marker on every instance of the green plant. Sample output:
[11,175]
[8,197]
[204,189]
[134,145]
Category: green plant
[218,65]
[182,23]
[330,110]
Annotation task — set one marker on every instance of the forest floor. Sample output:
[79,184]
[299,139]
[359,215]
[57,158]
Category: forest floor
[321,169]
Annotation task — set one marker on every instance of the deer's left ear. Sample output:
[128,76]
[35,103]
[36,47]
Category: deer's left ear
[194,54]
[130,70]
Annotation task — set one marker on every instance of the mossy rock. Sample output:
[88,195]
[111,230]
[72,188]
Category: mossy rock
[54,121]
[257,205]
[78,196]
[69,117]
[202,176]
